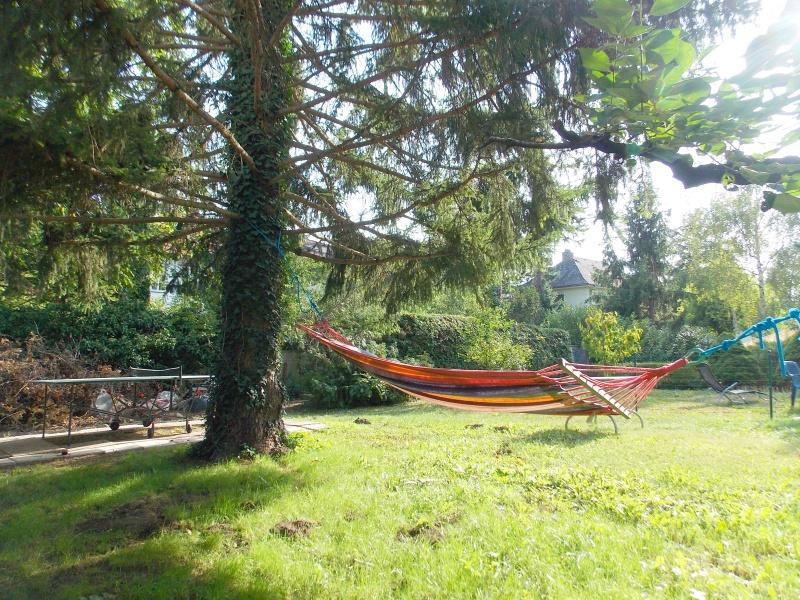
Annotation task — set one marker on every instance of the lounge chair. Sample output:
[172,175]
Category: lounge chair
[794,372]
[732,395]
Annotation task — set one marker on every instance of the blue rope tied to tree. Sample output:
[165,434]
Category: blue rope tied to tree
[770,323]
[300,290]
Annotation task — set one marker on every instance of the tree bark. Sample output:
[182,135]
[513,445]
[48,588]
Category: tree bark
[246,410]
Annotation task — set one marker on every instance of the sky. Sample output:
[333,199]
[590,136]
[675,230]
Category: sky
[727,59]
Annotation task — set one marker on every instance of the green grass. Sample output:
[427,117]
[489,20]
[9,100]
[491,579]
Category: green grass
[705,501]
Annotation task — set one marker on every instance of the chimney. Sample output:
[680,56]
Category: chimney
[567,255]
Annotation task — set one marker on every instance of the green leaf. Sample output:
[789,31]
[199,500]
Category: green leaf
[691,90]
[791,137]
[786,203]
[666,7]
[613,16]
[595,60]
[615,9]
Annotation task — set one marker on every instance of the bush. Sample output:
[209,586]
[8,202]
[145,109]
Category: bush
[656,343]
[689,337]
[490,344]
[440,338]
[568,318]
[606,339]
[745,364]
[328,381]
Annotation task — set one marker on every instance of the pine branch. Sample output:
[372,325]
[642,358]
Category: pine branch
[221,222]
[214,21]
[372,261]
[175,88]
[186,203]
[151,241]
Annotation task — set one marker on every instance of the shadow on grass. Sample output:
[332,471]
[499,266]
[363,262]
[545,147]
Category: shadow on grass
[566,438]
[137,525]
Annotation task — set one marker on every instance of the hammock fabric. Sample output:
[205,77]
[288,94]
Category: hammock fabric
[561,389]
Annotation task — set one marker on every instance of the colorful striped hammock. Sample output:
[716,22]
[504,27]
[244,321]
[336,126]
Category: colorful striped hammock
[566,388]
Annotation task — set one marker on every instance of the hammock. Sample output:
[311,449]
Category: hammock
[567,389]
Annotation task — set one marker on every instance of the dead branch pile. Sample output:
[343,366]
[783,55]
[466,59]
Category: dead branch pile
[22,402]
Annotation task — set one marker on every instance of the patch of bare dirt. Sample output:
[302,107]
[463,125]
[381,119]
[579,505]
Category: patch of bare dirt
[430,532]
[232,536]
[295,528]
[140,518]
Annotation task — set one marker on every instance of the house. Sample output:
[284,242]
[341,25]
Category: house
[573,278]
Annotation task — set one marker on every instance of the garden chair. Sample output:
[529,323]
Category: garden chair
[794,373]
[732,395]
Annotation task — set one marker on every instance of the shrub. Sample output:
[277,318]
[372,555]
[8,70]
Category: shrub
[489,344]
[329,381]
[568,318]
[441,341]
[688,338]
[441,338]
[606,339]
[656,342]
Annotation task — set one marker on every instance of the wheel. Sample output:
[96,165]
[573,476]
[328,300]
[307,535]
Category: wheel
[150,432]
[114,425]
[188,428]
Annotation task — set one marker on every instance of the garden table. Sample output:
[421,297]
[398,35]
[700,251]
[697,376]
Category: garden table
[192,380]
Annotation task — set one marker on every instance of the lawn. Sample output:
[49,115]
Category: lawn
[420,503]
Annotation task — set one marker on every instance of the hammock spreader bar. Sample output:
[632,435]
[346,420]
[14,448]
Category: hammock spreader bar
[561,389]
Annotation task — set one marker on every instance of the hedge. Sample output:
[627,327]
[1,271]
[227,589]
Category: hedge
[122,334]
[441,340]
[548,345]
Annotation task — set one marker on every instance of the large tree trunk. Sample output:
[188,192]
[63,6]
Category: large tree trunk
[247,398]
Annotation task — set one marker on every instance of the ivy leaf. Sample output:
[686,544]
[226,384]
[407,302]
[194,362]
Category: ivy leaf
[666,7]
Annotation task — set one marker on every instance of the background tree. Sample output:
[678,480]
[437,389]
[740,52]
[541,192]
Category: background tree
[783,279]
[241,127]
[636,285]
[755,237]
[715,289]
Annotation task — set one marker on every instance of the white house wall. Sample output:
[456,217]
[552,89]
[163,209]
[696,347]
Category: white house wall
[576,296]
